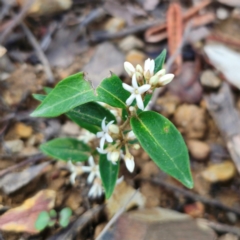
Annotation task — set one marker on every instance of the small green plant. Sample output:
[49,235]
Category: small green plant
[49,219]
[117,114]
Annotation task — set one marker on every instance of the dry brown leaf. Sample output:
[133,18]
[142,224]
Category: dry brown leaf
[174,32]
[121,195]
[23,218]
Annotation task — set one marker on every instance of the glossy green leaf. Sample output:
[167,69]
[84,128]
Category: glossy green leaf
[66,149]
[68,93]
[42,221]
[164,144]
[90,116]
[110,91]
[39,97]
[159,61]
[64,216]
[109,174]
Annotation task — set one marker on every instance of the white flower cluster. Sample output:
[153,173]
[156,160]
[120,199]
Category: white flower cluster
[96,189]
[94,177]
[113,151]
[147,78]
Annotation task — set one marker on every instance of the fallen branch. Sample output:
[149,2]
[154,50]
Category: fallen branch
[16,21]
[221,228]
[31,159]
[39,53]
[103,36]
[191,195]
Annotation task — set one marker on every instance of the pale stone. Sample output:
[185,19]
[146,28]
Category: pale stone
[198,149]
[219,172]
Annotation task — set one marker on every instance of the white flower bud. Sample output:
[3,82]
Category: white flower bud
[154,80]
[114,128]
[161,73]
[129,68]
[114,156]
[166,79]
[129,161]
[139,76]
[139,69]
[136,146]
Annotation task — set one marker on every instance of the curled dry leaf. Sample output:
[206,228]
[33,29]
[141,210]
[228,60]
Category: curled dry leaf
[23,218]
[174,31]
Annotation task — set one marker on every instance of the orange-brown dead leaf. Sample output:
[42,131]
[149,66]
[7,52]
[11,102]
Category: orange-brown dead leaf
[174,32]
[158,33]
[23,218]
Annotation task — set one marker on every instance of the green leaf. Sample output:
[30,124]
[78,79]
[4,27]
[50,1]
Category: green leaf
[47,90]
[90,116]
[109,174]
[68,93]
[66,149]
[52,213]
[164,144]
[159,61]
[110,91]
[42,221]
[64,216]
[39,97]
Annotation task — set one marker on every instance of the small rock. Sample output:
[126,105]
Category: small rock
[149,169]
[114,25]
[158,223]
[23,130]
[198,149]
[46,7]
[210,80]
[228,236]
[71,128]
[3,50]
[191,121]
[220,172]
[136,57]
[232,217]
[14,146]
[168,104]
[102,63]
[35,139]
[29,151]
[130,42]
[195,210]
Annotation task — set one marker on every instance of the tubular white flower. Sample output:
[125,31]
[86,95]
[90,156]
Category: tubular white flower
[75,170]
[129,68]
[96,190]
[166,79]
[136,92]
[86,136]
[92,169]
[104,135]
